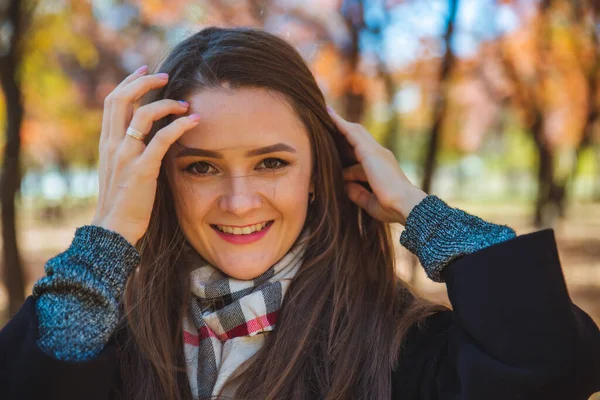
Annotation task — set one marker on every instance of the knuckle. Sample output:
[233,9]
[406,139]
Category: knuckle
[143,171]
[123,162]
[110,149]
[372,154]
[118,98]
[159,139]
[121,159]
[144,112]
[360,152]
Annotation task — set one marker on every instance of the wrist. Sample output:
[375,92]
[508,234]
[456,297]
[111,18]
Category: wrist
[404,207]
[97,259]
[113,226]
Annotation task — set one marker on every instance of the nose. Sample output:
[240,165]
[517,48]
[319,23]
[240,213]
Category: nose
[239,198]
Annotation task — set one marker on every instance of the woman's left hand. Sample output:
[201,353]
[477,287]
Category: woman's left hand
[394,196]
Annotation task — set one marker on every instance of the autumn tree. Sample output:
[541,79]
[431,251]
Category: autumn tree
[585,19]
[564,46]
[15,15]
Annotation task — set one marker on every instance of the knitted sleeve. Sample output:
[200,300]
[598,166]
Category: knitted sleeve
[77,300]
[438,234]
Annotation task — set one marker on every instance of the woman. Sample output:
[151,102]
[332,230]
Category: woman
[263,266]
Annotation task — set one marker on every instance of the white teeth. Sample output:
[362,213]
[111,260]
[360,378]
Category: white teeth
[242,231]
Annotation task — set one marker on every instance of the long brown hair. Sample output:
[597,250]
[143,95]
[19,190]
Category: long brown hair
[346,312]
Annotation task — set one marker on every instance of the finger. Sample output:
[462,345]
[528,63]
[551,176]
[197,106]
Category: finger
[164,138]
[143,119]
[108,102]
[363,198]
[122,102]
[141,71]
[355,133]
[355,172]
[103,175]
[145,116]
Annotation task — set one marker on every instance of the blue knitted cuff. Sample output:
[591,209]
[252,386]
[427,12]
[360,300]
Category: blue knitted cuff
[438,234]
[77,301]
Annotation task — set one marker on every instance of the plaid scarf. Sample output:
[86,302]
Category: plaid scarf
[227,320]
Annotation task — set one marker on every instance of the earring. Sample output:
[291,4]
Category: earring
[311,197]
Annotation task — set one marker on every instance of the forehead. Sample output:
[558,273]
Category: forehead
[242,119]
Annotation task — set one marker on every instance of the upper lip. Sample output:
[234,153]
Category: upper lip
[243,226]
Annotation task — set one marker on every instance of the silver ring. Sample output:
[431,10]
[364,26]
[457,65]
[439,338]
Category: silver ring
[135,134]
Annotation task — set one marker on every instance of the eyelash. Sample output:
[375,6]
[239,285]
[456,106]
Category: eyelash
[190,168]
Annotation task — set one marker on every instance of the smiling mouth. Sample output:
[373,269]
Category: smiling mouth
[246,230]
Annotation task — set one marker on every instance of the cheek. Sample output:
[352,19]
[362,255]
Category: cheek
[192,202]
[290,195]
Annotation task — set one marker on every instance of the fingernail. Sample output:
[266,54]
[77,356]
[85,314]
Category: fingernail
[329,109]
[162,75]
[184,103]
[142,70]
[194,117]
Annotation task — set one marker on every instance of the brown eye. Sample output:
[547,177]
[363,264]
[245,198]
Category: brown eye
[273,163]
[199,168]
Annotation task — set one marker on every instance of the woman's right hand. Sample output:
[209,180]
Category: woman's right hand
[128,169]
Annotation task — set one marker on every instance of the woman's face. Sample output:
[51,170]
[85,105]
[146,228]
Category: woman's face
[241,179]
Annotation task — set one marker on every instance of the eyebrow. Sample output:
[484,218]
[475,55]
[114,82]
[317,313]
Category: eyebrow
[190,151]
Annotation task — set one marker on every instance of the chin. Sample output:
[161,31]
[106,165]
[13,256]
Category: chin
[244,265]
[242,273]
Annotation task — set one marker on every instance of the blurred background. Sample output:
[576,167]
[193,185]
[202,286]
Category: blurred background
[491,104]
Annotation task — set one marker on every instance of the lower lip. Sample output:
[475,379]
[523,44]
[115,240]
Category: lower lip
[243,239]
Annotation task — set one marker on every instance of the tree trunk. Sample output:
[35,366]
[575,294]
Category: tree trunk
[9,185]
[546,208]
[354,96]
[440,102]
[389,139]
[10,175]
[560,190]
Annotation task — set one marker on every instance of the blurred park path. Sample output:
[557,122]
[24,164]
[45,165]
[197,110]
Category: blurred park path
[578,239]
